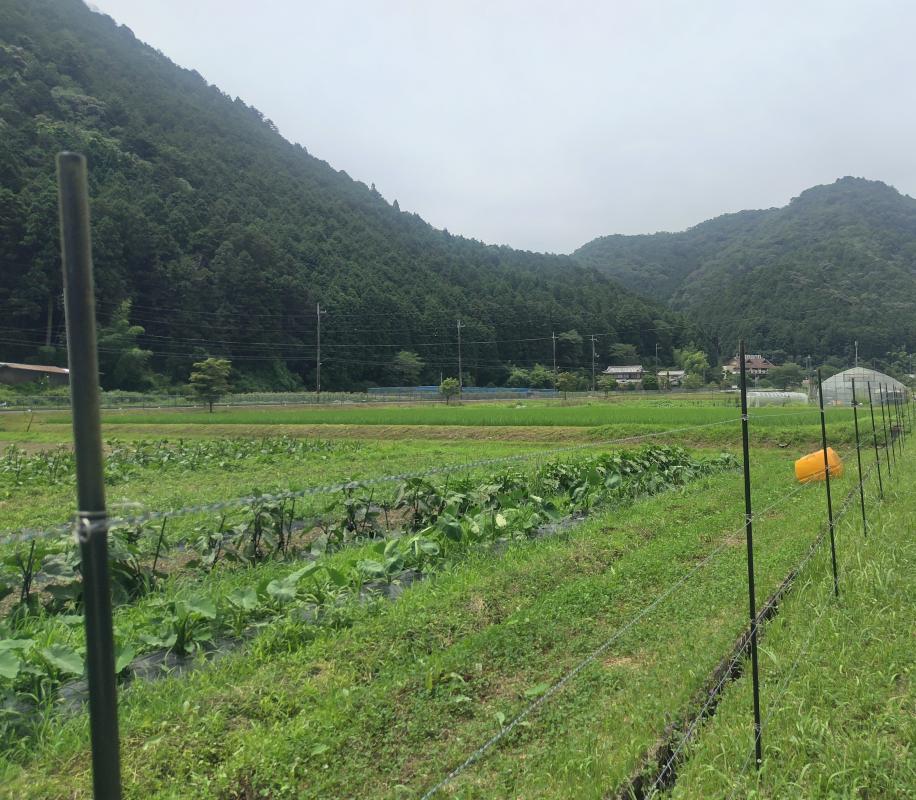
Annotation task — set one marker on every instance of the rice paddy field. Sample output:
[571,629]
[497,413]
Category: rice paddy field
[478,601]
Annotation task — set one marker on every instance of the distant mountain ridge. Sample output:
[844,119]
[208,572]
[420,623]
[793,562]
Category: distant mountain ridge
[225,237]
[837,264]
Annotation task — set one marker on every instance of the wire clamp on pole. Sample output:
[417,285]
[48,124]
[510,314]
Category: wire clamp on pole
[86,523]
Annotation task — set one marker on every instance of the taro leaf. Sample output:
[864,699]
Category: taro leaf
[337,577]
[282,591]
[57,566]
[372,569]
[64,659]
[167,641]
[500,718]
[244,598]
[16,644]
[429,547]
[318,749]
[203,606]
[537,690]
[9,665]
[299,574]
[501,521]
[124,654]
[613,480]
[62,592]
[451,527]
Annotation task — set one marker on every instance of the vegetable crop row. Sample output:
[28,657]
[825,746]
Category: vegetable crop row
[41,643]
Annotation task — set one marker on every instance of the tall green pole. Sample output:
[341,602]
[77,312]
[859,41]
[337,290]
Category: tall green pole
[749,540]
[820,393]
[855,416]
[91,518]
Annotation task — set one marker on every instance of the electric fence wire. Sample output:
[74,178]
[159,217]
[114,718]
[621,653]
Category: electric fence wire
[28,534]
[781,690]
[783,685]
[742,651]
[593,655]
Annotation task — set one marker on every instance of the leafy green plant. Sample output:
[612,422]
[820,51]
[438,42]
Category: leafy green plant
[183,626]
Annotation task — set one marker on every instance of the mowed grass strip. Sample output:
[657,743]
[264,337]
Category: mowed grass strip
[388,705]
[838,687]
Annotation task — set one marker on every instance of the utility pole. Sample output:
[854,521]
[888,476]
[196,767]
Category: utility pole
[460,379]
[553,336]
[810,380]
[593,361]
[318,379]
[857,354]
[656,356]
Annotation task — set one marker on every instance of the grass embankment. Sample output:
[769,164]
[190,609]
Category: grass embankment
[838,695]
[393,702]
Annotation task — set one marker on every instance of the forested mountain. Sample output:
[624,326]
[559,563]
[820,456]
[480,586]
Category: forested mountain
[224,237]
[837,264]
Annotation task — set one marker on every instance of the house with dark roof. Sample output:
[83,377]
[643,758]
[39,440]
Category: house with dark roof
[625,374]
[11,374]
[755,365]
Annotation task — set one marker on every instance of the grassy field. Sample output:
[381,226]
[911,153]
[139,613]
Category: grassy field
[838,698]
[713,425]
[507,415]
[387,698]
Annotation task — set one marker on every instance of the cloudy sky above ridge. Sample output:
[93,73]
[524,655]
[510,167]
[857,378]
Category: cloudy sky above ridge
[544,124]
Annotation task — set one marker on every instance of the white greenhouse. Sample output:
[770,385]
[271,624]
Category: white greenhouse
[838,389]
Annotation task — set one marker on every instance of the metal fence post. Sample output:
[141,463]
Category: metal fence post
[820,392]
[874,437]
[887,449]
[855,416]
[749,536]
[91,518]
[895,440]
[901,426]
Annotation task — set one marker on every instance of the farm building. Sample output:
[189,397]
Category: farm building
[671,377]
[12,374]
[838,389]
[755,365]
[626,374]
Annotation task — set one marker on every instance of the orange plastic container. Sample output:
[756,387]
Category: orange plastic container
[811,466]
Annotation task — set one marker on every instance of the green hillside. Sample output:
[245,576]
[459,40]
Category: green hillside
[224,236]
[835,265]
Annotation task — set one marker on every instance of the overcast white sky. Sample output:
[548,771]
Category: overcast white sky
[544,124]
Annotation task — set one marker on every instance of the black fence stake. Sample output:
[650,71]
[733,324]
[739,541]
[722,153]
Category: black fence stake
[874,438]
[91,517]
[855,416]
[820,394]
[895,438]
[890,422]
[887,451]
[159,546]
[749,536]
